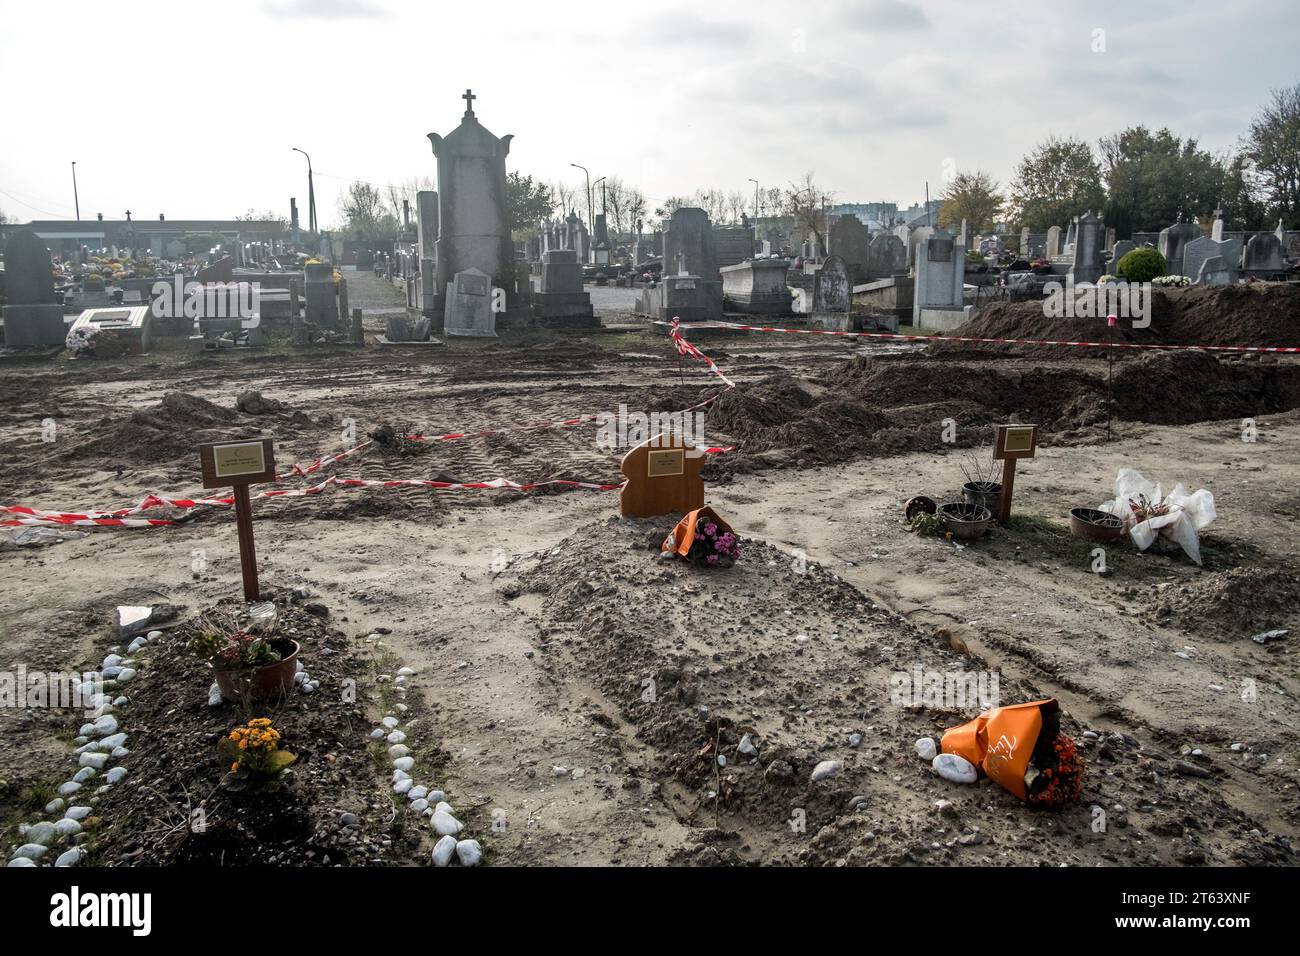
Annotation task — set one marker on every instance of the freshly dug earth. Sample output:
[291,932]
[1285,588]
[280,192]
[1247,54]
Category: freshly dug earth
[799,660]
[1242,602]
[884,405]
[1263,314]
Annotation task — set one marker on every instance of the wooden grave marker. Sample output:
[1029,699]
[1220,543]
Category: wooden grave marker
[663,477]
[1010,444]
[238,464]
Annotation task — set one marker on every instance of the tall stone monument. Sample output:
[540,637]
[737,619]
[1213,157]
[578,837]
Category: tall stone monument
[33,316]
[473,227]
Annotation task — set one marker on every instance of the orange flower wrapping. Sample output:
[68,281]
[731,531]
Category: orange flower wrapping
[1001,741]
[680,538]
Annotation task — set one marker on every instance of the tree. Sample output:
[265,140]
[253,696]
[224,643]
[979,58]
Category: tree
[527,202]
[624,205]
[253,215]
[1272,146]
[397,192]
[973,197]
[670,205]
[364,215]
[1151,177]
[564,198]
[1060,179]
[806,203]
[735,207]
[1241,207]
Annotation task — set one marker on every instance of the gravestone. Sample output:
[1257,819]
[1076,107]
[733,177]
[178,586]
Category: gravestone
[1024,242]
[832,297]
[318,289]
[1053,241]
[1263,254]
[688,233]
[663,478]
[938,300]
[1120,250]
[32,314]
[468,311]
[888,256]
[1173,240]
[915,239]
[561,299]
[473,227]
[1203,247]
[692,285]
[1215,271]
[1087,264]
[850,241]
[426,211]
[1216,231]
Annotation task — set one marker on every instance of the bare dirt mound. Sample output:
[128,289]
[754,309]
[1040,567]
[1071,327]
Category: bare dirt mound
[1262,314]
[1238,603]
[874,405]
[689,662]
[165,432]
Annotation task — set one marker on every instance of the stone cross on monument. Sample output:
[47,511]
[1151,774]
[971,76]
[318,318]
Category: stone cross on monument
[681,263]
[469,99]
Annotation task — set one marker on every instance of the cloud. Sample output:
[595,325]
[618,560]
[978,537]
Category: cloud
[688,30]
[325,10]
[888,16]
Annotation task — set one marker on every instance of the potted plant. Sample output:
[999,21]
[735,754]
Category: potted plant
[247,667]
[982,488]
[253,757]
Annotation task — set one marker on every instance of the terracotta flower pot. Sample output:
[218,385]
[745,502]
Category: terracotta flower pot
[267,682]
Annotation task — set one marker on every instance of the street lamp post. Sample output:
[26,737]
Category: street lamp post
[755,182]
[75,201]
[311,193]
[590,224]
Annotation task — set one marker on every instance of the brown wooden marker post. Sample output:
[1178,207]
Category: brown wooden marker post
[238,464]
[1011,443]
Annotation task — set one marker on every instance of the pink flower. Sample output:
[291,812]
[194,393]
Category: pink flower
[713,559]
[710,529]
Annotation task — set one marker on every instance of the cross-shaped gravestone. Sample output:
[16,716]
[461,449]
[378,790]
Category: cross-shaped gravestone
[469,99]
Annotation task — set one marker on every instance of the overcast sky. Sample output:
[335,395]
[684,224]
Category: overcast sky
[191,109]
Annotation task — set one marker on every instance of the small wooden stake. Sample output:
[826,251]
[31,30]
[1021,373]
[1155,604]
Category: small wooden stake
[247,554]
[1011,442]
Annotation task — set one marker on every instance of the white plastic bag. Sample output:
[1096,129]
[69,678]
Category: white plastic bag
[1187,514]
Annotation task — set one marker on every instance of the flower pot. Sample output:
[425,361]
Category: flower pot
[261,683]
[984,494]
[965,521]
[1093,525]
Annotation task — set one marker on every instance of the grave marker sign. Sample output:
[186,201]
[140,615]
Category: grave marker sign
[663,477]
[1011,443]
[238,464]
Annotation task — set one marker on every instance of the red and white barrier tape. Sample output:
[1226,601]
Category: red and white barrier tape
[686,348]
[896,336]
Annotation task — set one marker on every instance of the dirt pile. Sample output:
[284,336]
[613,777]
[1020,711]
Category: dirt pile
[167,431]
[1239,603]
[885,405]
[803,668]
[1263,314]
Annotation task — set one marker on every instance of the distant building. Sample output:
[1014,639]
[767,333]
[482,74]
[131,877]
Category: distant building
[876,216]
[161,237]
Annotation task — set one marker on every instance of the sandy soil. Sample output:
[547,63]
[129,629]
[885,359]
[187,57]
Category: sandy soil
[537,622]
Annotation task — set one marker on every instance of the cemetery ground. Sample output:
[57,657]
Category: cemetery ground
[570,692]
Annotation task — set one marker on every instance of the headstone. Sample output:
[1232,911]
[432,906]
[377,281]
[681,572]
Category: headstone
[1216,231]
[1202,248]
[832,297]
[473,227]
[1118,252]
[1173,240]
[938,301]
[319,291]
[32,314]
[1215,271]
[663,478]
[1263,254]
[1087,264]
[1053,241]
[561,299]
[469,306]
[888,256]
[851,242]
[688,234]
[426,211]
[1024,242]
